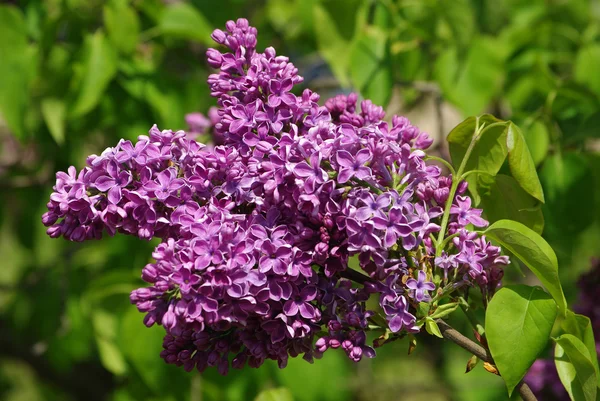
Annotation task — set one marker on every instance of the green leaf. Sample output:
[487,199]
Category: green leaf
[111,356]
[503,198]
[54,113]
[370,65]
[533,251]
[14,69]
[275,394]
[586,74]
[575,368]
[99,67]
[122,24]
[521,164]
[472,82]
[105,329]
[331,44]
[581,327]
[460,137]
[444,310]
[518,322]
[538,141]
[487,155]
[432,327]
[184,21]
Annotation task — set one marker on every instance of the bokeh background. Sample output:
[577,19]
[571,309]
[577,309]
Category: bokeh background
[77,75]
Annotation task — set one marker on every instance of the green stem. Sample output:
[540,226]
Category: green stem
[453,188]
[444,162]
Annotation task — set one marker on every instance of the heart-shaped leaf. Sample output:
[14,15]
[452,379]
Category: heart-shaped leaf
[518,322]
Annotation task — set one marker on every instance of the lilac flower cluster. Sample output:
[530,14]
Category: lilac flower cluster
[542,377]
[259,230]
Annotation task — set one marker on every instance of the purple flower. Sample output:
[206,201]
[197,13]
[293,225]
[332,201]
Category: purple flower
[275,258]
[362,234]
[470,256]
[373,206]
[465,214]
[279,92]
[353,166]
[185,279]
[397,314]
[395,226]
[313,172]
[420,287]
[301,304]
[165,185]
[113,182]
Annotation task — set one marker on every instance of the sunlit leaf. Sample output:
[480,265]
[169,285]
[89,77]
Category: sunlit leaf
[533,251]
[518,322]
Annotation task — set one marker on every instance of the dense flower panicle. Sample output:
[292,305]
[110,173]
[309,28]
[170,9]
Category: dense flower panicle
[258,230]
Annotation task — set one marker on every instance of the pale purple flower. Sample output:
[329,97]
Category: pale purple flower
[420,287]
[465,214]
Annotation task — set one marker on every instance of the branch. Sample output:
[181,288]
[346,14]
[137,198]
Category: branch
[453,335]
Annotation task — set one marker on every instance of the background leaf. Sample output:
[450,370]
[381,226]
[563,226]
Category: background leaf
[99,66]
[181,20]
[122,25]
[54,112]
[518,322]
[275,394]
[17,60]
[370,66]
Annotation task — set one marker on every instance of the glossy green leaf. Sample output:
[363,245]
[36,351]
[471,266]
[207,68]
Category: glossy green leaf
[518,322]
[575,368]
[581,327]
[521,163]
[275,394]
[99,66]
[370,65]
[54,113]
[15,62]
[182,20]
[122,25]
[502,198]
[331,44]
[533,251]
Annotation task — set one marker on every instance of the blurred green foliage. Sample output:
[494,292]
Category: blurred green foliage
[77,75]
